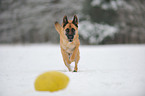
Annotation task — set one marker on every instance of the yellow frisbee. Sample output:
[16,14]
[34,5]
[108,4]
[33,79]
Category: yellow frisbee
[51,81]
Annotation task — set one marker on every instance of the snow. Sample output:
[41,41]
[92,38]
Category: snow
[95,2]
[95,33]
[113,70]
[111,4]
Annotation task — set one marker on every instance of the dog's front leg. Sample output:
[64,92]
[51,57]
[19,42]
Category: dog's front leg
[72,58]
[76,61]
[66,59]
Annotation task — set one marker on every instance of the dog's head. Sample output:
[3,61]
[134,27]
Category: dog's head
[69,28]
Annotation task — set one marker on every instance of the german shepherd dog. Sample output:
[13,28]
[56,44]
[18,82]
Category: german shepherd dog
[69,41]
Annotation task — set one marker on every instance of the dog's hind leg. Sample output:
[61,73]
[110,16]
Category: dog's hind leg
[76,61]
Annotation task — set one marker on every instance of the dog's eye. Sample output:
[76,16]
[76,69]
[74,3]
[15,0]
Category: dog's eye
[67,30]
[73,30]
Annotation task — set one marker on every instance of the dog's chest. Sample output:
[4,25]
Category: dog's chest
[69,47]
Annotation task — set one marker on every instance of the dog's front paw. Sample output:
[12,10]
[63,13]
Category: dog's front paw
[75,71]
[72,58]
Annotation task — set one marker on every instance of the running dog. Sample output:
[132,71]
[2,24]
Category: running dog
[69,41]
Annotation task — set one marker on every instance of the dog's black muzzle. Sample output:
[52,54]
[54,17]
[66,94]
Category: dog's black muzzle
[70,37]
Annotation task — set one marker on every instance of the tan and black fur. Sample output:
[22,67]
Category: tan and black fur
[69,41]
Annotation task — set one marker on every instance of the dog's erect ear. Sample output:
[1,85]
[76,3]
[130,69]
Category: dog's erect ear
[65,20]
[75,21]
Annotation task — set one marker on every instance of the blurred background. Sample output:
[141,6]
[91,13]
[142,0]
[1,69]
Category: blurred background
[113,70]
[100,21]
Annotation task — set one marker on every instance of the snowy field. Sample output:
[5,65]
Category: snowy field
[103,70]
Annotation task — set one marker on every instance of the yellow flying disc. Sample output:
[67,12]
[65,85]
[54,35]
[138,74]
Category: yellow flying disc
[51,81]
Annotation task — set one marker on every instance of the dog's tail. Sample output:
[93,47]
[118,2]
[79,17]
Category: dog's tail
[58,27]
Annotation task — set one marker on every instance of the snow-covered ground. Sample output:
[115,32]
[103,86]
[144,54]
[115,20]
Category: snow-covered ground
[114,70]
